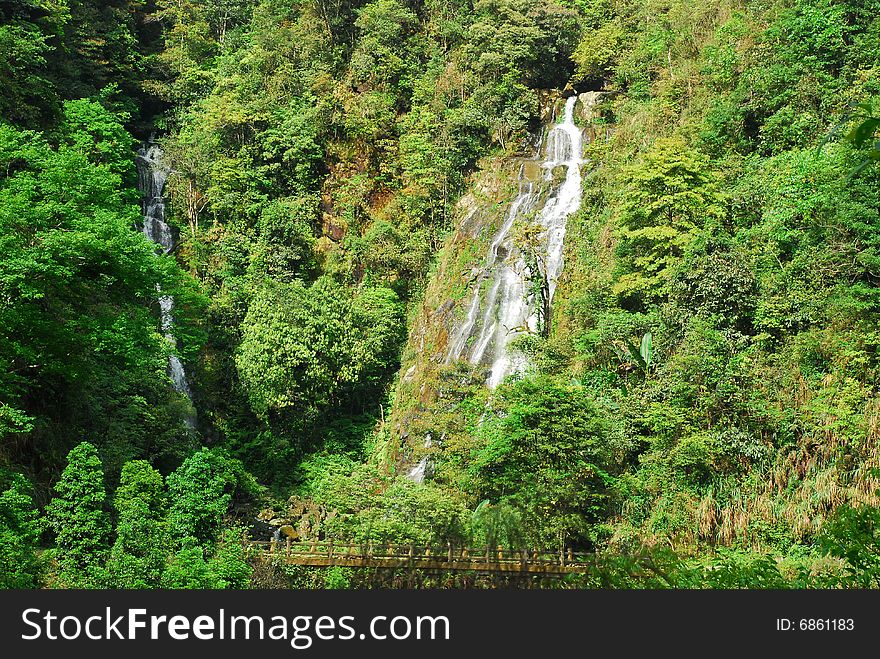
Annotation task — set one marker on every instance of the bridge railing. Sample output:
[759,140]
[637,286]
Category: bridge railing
[420,553]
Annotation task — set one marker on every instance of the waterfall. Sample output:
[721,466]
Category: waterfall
[502,306]
[425,467]
[499,249]
[152,175]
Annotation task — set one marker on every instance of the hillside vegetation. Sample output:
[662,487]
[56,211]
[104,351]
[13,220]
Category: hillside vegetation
[705,393]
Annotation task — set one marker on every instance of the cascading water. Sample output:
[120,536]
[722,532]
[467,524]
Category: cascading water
[503,306]
[425,467]
[151,183]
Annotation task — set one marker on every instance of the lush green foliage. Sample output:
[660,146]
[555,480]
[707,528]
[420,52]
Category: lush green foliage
[852,534]
[138,555]
[745,251]
[65,49]
[79,519]
[707,383]
[546,455]
[81,335]
[201,490]
[310,348]
[172,537]
[668,195]
[19,534]
[372,507]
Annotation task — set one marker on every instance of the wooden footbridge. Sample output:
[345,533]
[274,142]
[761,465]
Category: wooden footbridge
[434,559]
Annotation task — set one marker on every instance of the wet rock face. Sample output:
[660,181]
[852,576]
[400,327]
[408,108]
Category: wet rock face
[472,223]
[587,106]
[334,231]
[531,171]
[587,111]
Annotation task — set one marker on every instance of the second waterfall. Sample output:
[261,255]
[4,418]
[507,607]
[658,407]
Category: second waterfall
[152,175]
[514,287]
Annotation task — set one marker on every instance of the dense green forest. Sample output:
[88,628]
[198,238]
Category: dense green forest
[700,405]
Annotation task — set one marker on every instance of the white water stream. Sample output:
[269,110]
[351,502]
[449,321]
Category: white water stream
[502,306]
[152,175]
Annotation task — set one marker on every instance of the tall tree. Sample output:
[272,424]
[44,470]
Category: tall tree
[200,496]
[19,534]
[138,556]
[670,194]
[545,454]
[78,517]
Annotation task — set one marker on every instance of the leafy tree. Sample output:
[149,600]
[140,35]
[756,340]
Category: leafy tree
[100,48]
[291,154]
[189,46]
[714,278]
[201,492]
[229,563]
[670,194]
[853,534]
[384,51]
[91,130]
[545,454]
[530,40]
[78,518]
[138,555]
[23,50]
[293,346]
[599,49]
[494,525]
[284,249]
[187,569]
[305,348]
[227,568]
[372,507]
[19,535]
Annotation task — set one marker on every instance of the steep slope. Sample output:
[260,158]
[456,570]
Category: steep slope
[716,306]
[497,274]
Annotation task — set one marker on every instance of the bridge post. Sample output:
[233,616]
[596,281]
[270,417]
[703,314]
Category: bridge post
[449,550]
[330,549]
[288,546]
[272,545]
